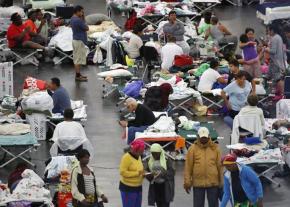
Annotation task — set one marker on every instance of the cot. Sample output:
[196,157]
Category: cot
[26,142]
[270,11]
[190,136]
[165,138]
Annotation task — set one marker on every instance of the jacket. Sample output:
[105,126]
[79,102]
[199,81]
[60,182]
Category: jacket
[169,185]
[78,186]
[203,166]
[129,170]
[250,183]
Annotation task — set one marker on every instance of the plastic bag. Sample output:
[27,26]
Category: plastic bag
[40,101]
[98,57]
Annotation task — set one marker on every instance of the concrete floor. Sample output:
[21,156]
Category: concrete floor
[102,128]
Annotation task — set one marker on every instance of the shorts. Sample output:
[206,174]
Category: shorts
[79,52]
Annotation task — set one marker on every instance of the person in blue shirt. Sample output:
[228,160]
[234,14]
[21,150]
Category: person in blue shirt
[242,186]
[79,29]
[61,99]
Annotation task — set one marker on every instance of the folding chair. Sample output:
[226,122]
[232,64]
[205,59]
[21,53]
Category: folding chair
[151,60]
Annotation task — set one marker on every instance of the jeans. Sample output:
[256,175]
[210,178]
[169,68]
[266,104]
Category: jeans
[132,131]
[229,121]
[212,197]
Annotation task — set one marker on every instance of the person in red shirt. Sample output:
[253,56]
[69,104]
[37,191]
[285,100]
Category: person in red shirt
[34,33]
[18,35]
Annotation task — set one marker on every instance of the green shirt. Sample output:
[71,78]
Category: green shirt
[202,28]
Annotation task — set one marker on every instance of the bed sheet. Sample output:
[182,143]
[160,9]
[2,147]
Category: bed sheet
[264,156]
[63,39]
[26,139]
[263,7]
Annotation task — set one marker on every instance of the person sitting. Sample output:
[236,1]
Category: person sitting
[61,99]
[210,76]
[176,29]
[161,178]
[237,92]
[252,109]
[34,32]
[42,23]
[135,42]
[18,35]
[168,52]
[157,97]
[84,188]
[235,69]
[206,24]
[69,136]
[144,117]
[217,31]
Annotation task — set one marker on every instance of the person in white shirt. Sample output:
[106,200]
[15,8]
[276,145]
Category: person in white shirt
[69,135]
[210,76]
[168,53]
[252,109]
[135,42]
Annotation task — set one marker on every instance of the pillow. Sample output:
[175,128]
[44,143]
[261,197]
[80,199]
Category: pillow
[94,19]
[116,73]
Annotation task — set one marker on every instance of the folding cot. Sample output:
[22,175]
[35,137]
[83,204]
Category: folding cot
[165,138]
[21,54]
[26,142]
[181,97]
[203,5]
[190,136]
[270,11]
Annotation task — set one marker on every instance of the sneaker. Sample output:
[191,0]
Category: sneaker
[81,79]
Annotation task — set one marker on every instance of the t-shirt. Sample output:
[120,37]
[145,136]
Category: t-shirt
[30,23]
[44,29]
[61,100]
[203,28]
[237,189]
[237,95]
[247,75]
[134,46]
[143,117]
[176,30]
[14,31]
[207,79]
[79,29]
[168,53]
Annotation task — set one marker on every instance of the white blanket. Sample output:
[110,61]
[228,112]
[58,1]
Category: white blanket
[63,39]
[30,188]
[58,164]
[6,12]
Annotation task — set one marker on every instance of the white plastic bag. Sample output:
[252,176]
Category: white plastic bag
[40,101]
[98,57]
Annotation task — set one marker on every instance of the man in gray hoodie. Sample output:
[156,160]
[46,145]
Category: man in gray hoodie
[176,29]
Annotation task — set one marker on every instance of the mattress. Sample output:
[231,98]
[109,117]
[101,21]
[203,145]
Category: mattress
[262,7]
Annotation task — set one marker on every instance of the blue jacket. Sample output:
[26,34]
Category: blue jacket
[250,183]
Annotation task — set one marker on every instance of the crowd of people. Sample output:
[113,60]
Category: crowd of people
[206,171]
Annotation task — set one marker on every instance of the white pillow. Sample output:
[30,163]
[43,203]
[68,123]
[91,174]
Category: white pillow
[116,73]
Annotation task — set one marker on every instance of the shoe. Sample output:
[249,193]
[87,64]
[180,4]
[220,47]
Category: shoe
[81,79]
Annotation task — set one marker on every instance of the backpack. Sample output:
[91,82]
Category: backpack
[118,53]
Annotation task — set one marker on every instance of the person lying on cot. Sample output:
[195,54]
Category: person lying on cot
[18,35]
[144,117]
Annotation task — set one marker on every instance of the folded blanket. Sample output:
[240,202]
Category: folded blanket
[14,129]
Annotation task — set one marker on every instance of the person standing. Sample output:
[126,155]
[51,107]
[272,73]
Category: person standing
[85,190]
[79,29]
[176,29]
[242,186]
[132,175]
[161,178]
[203,170]
[277,66]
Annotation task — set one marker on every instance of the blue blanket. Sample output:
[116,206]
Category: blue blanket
[10,140]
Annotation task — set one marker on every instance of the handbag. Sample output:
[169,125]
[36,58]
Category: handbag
[182,60]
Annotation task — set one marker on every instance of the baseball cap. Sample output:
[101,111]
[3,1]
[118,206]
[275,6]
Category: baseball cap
[203,132]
